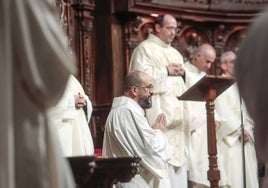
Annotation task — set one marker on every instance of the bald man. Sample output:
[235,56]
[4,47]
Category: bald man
[201,61]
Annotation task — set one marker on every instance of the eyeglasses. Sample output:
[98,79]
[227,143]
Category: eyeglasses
[149,87]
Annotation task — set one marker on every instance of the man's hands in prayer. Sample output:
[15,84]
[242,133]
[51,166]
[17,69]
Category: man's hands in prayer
[175,69]
[80,101]
[160,122]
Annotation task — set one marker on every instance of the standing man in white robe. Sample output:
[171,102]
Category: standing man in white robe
[163,63]
[230,109]
[71,120]
[128,133]
[200,62]
[35,67]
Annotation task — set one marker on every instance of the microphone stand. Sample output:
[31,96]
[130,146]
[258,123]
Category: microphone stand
[243,145]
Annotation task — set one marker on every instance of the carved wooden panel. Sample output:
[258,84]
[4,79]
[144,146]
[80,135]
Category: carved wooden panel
[200,4]
[136,30]
[225,11]
[75,17]
[82,24]
[219,5]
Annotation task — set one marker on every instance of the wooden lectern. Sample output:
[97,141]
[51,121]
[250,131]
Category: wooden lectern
[93,172]
[207,89]
[83,169]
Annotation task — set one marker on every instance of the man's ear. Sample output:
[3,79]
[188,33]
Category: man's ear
[223,66]
[157,28]
[134,90]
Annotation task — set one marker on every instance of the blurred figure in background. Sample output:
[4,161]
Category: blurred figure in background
[71,117]
[230,108]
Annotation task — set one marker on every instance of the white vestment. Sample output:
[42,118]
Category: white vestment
[127,133]
[153,56]
[72,124]
[228,108]
[35,67]
[198,145]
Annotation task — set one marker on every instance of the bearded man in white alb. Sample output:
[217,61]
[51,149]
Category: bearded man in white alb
[163,63]
[128,133]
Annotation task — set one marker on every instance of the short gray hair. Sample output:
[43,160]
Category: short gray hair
[225,55]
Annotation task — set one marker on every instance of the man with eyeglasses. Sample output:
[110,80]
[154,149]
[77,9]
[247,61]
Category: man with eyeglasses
[164,64]
[128,133]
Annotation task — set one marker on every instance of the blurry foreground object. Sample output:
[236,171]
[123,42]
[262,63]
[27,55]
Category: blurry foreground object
[251,71]
[35,67]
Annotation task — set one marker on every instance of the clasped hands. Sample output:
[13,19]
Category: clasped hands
[246,135]
[175,69]
[160,122]
[80,101]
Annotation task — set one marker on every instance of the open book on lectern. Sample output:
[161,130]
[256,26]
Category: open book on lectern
[200,88]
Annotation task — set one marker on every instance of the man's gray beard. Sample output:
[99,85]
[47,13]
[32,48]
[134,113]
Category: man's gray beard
[145,103]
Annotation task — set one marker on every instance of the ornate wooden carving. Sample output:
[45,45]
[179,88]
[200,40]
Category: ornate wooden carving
[202,13]
[217,5]
[75,17]
[83,25]
[136,31]
[65,20]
